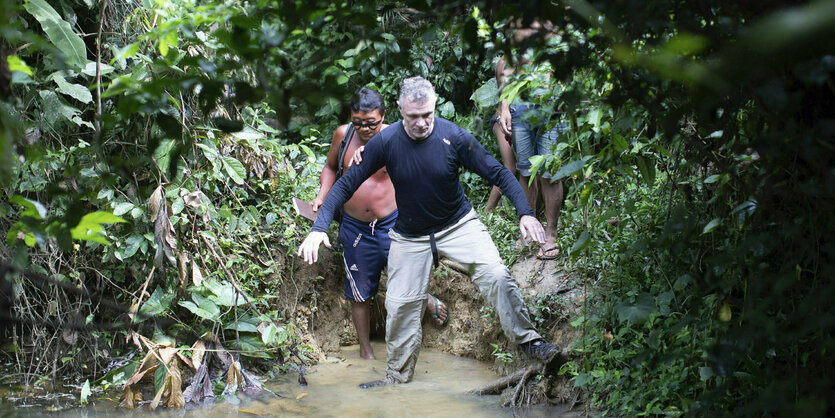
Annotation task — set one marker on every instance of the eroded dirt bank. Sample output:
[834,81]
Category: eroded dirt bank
[323,314]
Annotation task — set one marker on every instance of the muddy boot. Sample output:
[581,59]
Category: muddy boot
[388,380]
[541,350]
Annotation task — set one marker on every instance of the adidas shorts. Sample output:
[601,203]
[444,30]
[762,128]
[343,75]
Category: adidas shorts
[365,251]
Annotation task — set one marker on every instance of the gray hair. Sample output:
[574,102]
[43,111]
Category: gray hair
[417,90]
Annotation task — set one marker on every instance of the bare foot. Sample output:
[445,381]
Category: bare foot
[550,250]
[367,353]
[437,310]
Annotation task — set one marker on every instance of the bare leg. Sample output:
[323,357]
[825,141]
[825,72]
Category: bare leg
[361,315]
[508,160]
[552,194]
[531,192]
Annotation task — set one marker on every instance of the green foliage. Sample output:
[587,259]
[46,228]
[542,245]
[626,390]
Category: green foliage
[500,355]
[60,33]
[696,160]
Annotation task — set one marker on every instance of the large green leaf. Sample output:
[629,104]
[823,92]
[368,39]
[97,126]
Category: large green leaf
[582,243]
[156,304]
[76,91]
[31,208]
[647,168]
[568,169]
[90,226]
[246,323]
[16,64]
[251,346]
[59,32]
[235,169]
[122,208]
[202,307]
[487,95]
[223,293]
[133,242]
[639,311]
[54,107]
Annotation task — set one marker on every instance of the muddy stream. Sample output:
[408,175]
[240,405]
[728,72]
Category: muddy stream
[439,389]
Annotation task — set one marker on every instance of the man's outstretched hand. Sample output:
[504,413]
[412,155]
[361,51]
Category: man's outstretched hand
[309,250]
[531,229]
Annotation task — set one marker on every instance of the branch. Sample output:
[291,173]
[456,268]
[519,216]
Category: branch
[231,277]
[98,68]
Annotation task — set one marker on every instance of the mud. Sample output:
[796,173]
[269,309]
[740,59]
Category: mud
[323,314]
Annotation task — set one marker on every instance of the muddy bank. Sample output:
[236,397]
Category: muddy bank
[323,314]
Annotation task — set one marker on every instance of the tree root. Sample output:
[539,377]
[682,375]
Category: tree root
[456,266]
[498,386]
[520,379]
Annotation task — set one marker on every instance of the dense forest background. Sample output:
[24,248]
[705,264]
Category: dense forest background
[149,149]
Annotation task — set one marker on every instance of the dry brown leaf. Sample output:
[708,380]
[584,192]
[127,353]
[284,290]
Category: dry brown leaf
[194,392]
[185,360]
[171,236]
[167,353]
[132,311]
[149,363]
[193,199]
[163,237]
[222,354]
[196,275]
[175,398]
[157,198]
[150,345]
[127,400]
[233,378]
[164,234]
[302,395]
[182,265]
[199,349]
[158,396]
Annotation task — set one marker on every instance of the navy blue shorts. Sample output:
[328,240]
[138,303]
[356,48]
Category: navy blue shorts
[365,251]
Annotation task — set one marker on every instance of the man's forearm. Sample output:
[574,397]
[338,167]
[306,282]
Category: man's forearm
[326,181]
[511,188]
[503,106]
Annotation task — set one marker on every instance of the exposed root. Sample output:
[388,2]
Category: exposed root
[500,385]
[525,392]
[514,400]
[456,266]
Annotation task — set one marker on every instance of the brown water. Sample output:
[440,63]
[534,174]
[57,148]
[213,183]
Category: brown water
[438,390]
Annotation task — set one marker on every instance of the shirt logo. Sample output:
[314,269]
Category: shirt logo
[446,141]
[357,241]
[354,267]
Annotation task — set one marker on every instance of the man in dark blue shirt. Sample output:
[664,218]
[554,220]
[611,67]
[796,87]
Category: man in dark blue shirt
[423,154]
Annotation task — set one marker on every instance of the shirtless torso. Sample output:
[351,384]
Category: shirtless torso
[375,197]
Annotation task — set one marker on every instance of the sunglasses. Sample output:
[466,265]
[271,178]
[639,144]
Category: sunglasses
[366,124]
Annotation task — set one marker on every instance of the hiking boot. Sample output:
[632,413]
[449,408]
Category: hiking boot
[388,380]
[540,350]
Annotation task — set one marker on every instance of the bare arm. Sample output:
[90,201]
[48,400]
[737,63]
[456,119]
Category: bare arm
[504,108]
[328,176]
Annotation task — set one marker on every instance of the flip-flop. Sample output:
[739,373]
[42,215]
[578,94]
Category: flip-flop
[543,253]
[437,309]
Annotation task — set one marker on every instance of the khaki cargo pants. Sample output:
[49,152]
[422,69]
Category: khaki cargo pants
[409,266]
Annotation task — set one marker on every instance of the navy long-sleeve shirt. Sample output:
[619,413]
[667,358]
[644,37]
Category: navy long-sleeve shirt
[425,176]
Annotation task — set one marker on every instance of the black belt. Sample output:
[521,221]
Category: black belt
[434,249]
